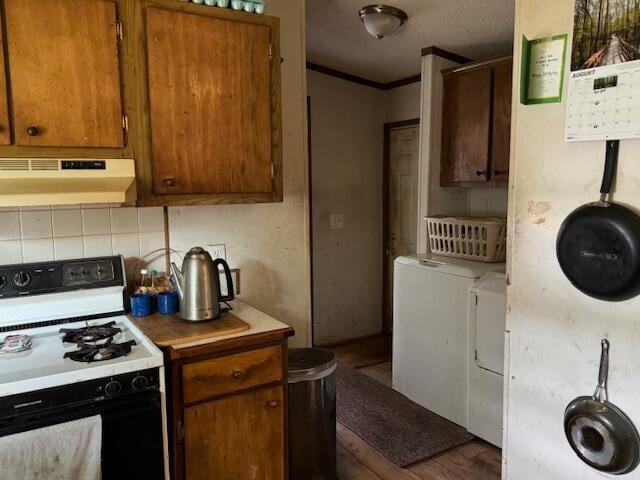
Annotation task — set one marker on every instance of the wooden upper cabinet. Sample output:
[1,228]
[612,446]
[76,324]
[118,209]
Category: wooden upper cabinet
[465,127]
[501,127]
[5,127]
[210,94]
[239,437]
[64,69]
[476,124]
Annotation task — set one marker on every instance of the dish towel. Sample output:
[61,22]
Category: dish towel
[67,451]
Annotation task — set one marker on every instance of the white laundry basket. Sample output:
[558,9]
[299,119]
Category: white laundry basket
[474,238]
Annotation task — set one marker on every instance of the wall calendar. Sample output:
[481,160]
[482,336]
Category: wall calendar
[603,102]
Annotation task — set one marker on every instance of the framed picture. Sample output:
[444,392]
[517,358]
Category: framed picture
[543,64]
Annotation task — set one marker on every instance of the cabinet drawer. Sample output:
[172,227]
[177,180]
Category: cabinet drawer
[219,376]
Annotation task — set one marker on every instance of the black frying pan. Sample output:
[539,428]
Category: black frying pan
[599,432]
[598,245]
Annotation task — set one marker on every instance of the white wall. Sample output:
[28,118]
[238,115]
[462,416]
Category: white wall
[403,103]
[554,330]
[268,242]
[346,149]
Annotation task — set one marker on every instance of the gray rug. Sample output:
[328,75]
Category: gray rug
[398,428]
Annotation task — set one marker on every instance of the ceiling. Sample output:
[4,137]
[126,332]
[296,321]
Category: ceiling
[336,38]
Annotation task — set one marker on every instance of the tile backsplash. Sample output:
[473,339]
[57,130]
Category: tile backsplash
[33,234]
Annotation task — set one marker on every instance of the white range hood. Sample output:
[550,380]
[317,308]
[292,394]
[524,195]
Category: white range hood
[51,181]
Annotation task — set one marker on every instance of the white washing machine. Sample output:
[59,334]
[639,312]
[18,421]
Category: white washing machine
[487,317]
[431,331]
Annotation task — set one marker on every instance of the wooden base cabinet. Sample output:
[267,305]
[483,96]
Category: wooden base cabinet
[227,409]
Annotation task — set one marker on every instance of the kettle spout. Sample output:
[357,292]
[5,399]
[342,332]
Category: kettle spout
[179,280]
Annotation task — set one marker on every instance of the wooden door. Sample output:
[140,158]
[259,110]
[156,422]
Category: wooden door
[501,122]
[239,437]
[210,102]
[466,127]
[403,204]
[65,78]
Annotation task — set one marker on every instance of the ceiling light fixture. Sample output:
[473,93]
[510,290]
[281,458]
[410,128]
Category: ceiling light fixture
[382,20]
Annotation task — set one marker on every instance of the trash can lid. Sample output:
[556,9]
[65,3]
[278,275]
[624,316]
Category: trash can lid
[306,364]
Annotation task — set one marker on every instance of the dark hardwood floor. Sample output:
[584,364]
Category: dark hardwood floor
[357,460]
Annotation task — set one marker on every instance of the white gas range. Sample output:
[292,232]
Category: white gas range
[79,355]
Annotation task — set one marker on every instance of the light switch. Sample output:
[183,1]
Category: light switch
[217,251]
[336,221]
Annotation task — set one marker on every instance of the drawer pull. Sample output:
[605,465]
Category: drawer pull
[274,403]
[169,182]
[33,131]
[238,374]
[479,173]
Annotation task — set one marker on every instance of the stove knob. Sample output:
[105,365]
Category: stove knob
[112,388]
[22,279]
[3,281]
[139,383]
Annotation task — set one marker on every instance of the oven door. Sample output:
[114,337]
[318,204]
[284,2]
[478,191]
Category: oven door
[132,444]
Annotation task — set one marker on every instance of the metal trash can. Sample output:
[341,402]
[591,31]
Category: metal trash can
[312,414]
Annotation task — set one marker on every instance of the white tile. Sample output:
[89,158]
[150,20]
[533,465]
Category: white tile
[36,224]
[9,209]
[9,225]
[97,246]
[37,250]
[37,207]
[96,221]
[150,242]
[151,219]
[67,248]
[124,220]
[126,244]
[65,207]
[66,223]
[95,205]
[10,252]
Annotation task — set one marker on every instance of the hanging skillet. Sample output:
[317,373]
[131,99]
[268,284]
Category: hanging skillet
[599,432]
[598,245]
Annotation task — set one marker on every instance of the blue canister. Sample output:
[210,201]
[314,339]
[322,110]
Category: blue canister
[141,304]
[168,303]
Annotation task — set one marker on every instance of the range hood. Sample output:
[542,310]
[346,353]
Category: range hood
[51,181]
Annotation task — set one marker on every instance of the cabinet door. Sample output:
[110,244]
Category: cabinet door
[5,131]
[65,78]
[210,104]
[466,124]
[239,437]
[501,130]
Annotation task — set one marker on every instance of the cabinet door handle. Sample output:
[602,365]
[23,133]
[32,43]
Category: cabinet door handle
[497,173]
[479,173]
[274,403]
[32,131]
[169,182]
[238,374]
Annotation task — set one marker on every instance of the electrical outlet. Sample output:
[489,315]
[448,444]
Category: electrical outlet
[336,221]
[217,251]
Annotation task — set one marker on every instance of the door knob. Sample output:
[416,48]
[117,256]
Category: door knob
[32,131]
[169,182]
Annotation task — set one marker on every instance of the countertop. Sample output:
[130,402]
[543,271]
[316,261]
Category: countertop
[258,321]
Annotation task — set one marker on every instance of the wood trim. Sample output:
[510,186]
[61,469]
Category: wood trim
[348,340]
[386,159]
[310,190]
[478,64]
[361,80]
[454,57]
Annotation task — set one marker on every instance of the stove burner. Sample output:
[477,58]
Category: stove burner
[89,334]
[96,353]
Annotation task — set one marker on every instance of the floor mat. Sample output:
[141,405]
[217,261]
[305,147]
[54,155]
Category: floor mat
[398,428]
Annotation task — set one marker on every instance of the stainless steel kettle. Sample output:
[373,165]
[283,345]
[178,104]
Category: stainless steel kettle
[198,285]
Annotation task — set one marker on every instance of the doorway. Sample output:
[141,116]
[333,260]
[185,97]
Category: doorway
[400,204]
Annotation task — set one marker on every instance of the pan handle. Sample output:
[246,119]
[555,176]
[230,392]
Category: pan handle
[601,394]
[610,167]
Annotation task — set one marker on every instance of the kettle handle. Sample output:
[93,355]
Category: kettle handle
[227,274]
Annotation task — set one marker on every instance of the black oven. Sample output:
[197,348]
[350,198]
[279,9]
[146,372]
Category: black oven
[130,407]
